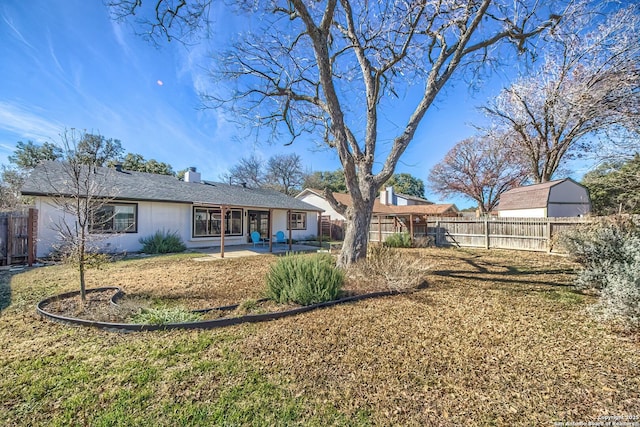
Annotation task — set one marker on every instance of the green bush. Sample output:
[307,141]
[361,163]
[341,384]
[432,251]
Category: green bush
[162,243]
[609,252]
[398,240]
[304,279]
[165,315]
[598,246]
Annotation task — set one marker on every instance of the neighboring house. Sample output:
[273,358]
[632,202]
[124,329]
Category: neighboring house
[416,205]
[139,204]
[561,198]
[389,197]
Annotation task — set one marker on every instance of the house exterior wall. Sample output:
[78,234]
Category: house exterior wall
[321,203]
[151,217]
[279,223]
[523,213]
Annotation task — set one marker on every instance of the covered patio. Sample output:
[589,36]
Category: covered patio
[240,251]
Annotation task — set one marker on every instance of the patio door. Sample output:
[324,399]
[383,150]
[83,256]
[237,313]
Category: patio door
[259,221]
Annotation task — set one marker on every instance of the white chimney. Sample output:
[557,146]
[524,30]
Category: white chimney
[386,196]
[191,175]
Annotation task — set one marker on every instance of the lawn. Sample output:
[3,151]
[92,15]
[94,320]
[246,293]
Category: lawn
[496,338]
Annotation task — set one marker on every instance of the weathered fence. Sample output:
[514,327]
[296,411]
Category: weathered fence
[532,234]
[332,228]
[18,231]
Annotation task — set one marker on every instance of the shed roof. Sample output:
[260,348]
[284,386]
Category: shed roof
[529,196]
[48,179]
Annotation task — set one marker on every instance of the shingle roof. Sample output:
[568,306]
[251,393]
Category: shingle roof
[48,179]
[410,197]
[379,208]
[527,197]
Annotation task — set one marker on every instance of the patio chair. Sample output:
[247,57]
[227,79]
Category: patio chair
[255,238]
[279,238]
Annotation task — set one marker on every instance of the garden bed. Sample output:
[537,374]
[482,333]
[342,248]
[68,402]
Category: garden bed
[108,308]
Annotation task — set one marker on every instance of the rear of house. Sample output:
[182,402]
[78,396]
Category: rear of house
[139,204]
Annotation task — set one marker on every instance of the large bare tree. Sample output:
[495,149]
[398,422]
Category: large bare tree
[587,87]
[334,68]
[481,168]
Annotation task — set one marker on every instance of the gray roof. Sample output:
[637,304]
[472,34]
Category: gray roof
[48,179]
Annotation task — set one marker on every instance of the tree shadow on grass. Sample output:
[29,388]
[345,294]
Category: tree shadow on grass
[505,278]
[505,274]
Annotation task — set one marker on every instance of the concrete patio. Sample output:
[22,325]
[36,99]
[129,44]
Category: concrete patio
[238,251]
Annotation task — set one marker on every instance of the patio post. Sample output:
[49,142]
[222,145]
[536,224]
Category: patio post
[222,225]
[270,230]
[289,225]
[411,227]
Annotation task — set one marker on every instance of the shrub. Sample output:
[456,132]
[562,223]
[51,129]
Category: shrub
[609,252]
[304,279]
[162,243]
[389,268]
[599,246]
[165,315]
[621,297]
[398,240]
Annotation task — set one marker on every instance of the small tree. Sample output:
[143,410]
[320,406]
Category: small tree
[284,173]
[614,187]
[407,184]
[248,171]
[334,181]
[481,168]
[79,190]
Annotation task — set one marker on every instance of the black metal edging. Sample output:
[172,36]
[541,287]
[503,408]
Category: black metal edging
[205,324]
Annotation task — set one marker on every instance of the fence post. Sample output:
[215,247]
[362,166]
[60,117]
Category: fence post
[10,237]
[486,233]
[31,236]
[437,233]
[548,233]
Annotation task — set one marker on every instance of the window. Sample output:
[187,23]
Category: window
[207,222]
[115,218]
[297,221]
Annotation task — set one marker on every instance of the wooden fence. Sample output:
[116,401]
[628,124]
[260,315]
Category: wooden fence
[18,231]
[332,228]
[532,234]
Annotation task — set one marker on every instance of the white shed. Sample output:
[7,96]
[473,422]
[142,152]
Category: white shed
[561,198]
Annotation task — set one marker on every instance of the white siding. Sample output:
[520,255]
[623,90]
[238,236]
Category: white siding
[154,216]
[523,213]
[321,203]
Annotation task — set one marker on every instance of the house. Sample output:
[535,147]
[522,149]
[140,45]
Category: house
[139,204]
[560,198]
[381,206]
[389,197]
[387,218]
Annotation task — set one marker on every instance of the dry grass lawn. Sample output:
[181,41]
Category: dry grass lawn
[496,338]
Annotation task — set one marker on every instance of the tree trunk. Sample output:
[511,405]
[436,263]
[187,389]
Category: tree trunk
[81,267]
[356,237]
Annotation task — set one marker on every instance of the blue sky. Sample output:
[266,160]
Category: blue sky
[66,64]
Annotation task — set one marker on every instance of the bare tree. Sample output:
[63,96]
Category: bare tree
[481,168]
[588,85]
[284,173]
[333,68]
[80,191]
[249,171]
